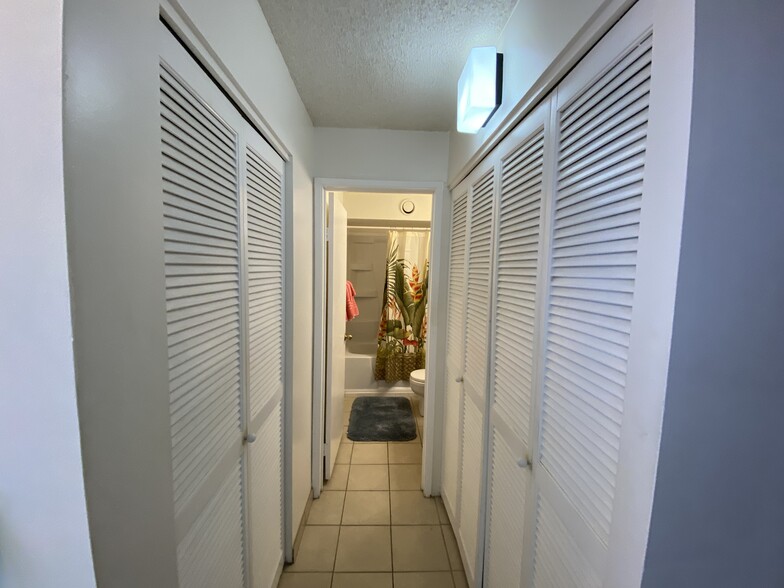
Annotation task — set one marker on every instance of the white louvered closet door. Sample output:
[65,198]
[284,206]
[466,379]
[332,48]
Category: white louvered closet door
[514,346]
[602,115]
[264,222]
[223,228]
[201,228]
[455,358]
[477,317]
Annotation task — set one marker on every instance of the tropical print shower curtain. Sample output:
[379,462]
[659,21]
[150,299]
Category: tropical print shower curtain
[403,326]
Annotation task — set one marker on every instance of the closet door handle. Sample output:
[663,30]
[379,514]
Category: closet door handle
[250,438]
[524,462]
[459,379]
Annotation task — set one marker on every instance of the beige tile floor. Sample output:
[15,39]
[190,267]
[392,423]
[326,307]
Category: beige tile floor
[373,528]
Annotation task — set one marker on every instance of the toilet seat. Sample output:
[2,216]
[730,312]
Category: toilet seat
[417,376]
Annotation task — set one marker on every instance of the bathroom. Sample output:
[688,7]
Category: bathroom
[385,231]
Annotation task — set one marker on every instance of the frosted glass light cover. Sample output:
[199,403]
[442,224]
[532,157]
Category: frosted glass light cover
[479,89]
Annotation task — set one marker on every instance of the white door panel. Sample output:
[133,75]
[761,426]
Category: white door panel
[224,251]
[453,397]
[514,347]
[336,329]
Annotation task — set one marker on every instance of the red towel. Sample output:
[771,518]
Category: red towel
[352,310]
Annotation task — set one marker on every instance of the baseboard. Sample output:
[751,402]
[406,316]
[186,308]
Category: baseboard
[301,529]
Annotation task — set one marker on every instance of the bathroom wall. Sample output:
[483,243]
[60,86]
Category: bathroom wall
[384,209]
[367,252]
[367,249]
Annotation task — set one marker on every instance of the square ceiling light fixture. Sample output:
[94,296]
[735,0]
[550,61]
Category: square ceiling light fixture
[479,89]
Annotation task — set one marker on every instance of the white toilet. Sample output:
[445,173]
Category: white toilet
[417,382]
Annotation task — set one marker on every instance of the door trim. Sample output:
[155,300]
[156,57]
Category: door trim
[439,233]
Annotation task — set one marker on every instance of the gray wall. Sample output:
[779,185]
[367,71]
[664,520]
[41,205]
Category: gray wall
[718,514]
[115,247]
[44,539]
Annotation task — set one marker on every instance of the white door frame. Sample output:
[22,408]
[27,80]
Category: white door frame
[436,346]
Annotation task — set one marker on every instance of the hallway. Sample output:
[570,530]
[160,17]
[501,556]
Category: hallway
[372,527]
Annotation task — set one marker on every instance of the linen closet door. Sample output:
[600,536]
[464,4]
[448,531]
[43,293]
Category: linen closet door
[519,257]
[202,245]
[223,219]
[453,399]
[601,131]
[264,222]
[477,317]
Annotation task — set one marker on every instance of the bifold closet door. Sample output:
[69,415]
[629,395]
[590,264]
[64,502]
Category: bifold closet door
[202,231]
[223,229]
[474,378]
[514,347]
[453,398]
[264,238]
[601,131]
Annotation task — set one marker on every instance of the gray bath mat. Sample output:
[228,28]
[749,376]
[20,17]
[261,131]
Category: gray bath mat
[376,418]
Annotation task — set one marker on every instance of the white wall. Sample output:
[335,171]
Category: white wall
[369,154]
[537,31]
[240,35]
[374,207]
[44,538]
[718,511]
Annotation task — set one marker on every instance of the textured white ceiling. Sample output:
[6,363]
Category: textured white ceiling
[386,64]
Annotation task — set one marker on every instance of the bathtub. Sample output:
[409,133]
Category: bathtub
[360,363]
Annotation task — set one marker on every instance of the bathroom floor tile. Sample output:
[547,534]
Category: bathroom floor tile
[317,550]
[419,549]
[411,507]
[369,453]
[368,477]
[362,580]
[366,508]
[327,509]
[405,477]
[423,580]
[305,580]
[344,453]
[452,551]
[364,549]
[339,478]
[405,453]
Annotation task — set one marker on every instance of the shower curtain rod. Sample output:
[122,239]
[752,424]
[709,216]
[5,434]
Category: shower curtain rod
[389,228]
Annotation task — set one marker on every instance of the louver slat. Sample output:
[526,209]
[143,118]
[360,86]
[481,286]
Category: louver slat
[602,140]
[202,302]
[455,348]
[265,281]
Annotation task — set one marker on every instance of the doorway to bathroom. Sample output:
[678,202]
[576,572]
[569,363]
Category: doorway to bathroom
[378,305]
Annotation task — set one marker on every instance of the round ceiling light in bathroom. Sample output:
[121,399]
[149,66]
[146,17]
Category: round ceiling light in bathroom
[407,206]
